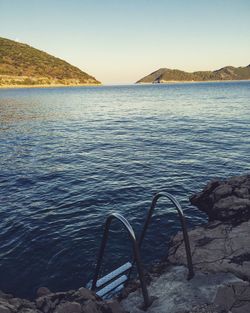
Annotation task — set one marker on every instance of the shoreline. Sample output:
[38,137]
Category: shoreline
[172,82]
[193,82]
[46,86]
[220,252]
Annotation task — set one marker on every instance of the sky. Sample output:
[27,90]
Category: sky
[119,42]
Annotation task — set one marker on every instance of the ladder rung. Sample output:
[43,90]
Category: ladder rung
[112,286]
[113,292]
[113,274]
[119,288]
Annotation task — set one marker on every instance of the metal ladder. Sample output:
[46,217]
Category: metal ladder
[117,278]
[177,205]
[110,282]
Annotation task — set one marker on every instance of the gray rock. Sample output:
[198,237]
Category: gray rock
[115,306]
[5,295]
[205,308]
[68,307]
[9,304]
[215,248]
[75,301]
[86,294]
[42,291]
[90,307]
[3,309]
[234,297]
[227,200]
[225,297]
[174,293]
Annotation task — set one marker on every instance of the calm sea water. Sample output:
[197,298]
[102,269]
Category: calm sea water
[70,156]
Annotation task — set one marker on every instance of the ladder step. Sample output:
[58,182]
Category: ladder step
[113,292]
[105,279]
[119,288]
[119,281]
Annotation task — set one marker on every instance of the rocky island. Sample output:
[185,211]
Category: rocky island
[24,66]
[165,75]
[221,258]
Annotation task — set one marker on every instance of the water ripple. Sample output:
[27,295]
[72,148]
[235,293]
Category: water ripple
[70,156]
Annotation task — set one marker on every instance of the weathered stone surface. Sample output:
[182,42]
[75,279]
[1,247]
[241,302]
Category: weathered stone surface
[90,307]
[9,304]
[216,247]
[227,200]
[86,294]
[5,295]
[4,309]
[68,307]
[74,301]
[234,297]
[205,308]
[115,306]
[174,293]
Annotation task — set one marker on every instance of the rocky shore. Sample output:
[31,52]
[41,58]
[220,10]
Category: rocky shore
[221,259]
[74,301]
[222,245]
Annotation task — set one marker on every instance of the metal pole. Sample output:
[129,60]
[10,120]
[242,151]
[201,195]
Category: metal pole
[183,226]
[147,300]
[101,252]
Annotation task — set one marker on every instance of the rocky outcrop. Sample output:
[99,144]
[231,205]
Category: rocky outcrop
[234,297]
[230,298]
[216,247]
[173,293]
[222,245]
[205,308]
[75,301]
[221,257]
[227,200]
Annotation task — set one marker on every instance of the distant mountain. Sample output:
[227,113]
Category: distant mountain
[164,75]
[20,64]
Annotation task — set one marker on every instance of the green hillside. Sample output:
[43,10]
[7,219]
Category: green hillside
[164,75]
[21,64]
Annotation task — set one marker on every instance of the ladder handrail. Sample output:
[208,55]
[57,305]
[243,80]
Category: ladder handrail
[183,225]
[137,256]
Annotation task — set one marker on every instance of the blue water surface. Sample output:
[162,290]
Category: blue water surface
[70,156]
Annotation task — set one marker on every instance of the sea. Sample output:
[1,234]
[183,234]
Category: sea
[71,156]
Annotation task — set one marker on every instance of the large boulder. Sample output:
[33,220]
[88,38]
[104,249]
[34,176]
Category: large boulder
[216,247]
[227,200]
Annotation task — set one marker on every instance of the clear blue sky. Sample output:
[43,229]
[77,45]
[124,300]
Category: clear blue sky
[121,41]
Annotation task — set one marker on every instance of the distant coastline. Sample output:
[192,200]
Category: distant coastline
[193,82]
[47,86]
[100,84]
[227,73]
[22,66]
